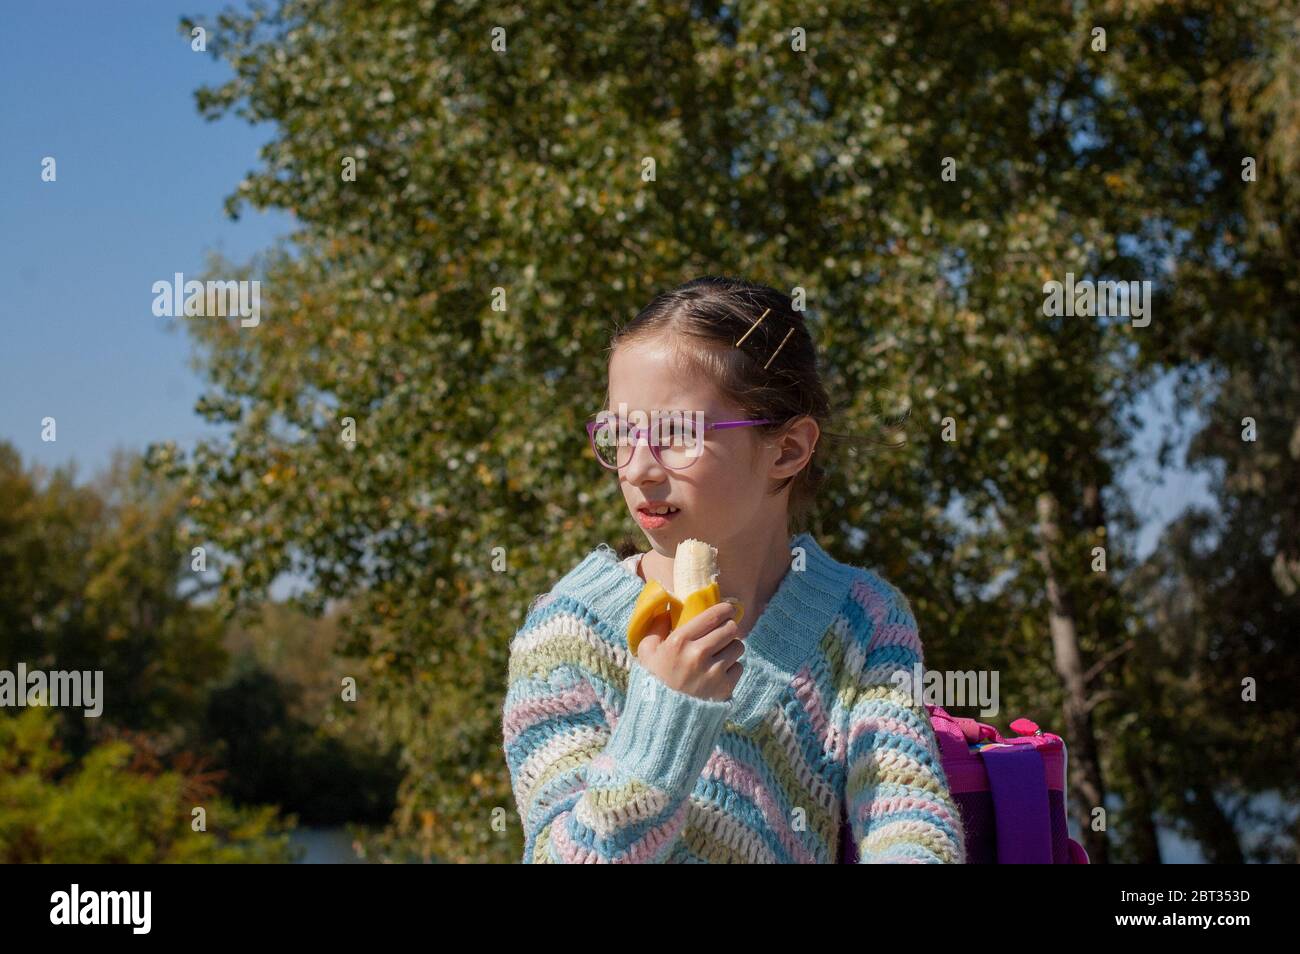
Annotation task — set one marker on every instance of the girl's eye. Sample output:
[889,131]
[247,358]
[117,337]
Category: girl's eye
[678,431]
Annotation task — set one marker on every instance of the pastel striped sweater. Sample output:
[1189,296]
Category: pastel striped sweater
[611,765]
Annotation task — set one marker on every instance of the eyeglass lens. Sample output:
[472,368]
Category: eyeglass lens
[676,437]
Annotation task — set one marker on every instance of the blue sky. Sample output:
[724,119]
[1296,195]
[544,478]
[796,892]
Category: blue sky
[108,91]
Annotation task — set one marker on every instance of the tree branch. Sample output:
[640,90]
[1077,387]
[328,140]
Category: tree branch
[1096,668]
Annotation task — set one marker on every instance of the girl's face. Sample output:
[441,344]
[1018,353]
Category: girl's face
[721,497]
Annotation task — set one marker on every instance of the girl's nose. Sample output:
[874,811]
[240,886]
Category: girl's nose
[642,465]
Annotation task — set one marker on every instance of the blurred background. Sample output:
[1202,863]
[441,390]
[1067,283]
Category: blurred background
[298,550]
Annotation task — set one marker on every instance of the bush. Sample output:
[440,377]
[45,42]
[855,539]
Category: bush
[104,809]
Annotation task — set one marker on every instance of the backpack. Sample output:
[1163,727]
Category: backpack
[1010,792]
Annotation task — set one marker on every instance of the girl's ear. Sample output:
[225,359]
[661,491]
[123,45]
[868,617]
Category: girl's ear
[798,442]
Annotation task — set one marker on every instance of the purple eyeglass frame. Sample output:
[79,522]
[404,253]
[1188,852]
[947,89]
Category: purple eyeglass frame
[634,433]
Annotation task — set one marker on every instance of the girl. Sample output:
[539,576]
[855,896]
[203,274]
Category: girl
[763,738]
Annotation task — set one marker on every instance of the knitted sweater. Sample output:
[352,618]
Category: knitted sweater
[610,765]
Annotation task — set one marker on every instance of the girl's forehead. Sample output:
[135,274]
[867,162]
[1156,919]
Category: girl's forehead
[644,376]
[634,413]
[629,408]
[661,399]
[654,363]
[666,396]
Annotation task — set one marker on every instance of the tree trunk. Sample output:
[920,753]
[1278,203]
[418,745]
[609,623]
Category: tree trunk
[1139,811]
[1214,831]
[1085,765]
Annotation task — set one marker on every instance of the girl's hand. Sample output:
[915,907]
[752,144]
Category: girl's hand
[701,657]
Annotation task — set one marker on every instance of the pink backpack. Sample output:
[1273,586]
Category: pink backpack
[1010,792]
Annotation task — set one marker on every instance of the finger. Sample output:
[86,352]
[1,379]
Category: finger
[732,677]
[728,654]
[706,622]
[655,634]
[719,638]
[660,626]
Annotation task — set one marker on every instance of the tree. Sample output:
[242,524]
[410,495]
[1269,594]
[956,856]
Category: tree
[481,190]
[117,806]
[96,577]
[1221,589]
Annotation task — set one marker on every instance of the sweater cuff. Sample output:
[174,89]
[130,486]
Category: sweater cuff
[664,737]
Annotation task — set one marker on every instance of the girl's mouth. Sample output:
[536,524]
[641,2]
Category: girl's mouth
[654,521]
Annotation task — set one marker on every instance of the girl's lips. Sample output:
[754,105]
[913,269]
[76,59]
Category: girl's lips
[653,521]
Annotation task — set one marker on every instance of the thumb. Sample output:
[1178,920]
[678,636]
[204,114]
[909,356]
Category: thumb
[656,633]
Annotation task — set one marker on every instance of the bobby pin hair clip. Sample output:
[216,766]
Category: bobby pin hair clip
[751,331]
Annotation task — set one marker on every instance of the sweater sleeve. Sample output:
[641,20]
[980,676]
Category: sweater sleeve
[589,792]
[900,808]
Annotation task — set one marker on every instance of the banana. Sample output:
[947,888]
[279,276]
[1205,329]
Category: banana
[695,574]
[695,566]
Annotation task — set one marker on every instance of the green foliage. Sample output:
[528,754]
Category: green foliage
[103,809]
[272,756]
[94,577]
[1221,595]
[522,171]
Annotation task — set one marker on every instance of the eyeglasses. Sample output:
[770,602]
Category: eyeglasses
[679,440]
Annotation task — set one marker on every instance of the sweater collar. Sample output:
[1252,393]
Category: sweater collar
[789,630]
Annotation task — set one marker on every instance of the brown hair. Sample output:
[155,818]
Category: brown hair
[716,312]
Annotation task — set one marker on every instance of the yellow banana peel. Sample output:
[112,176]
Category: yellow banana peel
[694,573]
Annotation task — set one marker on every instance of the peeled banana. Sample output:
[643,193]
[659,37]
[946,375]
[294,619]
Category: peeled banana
[695,574]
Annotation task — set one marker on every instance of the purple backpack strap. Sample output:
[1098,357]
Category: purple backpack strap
[1019,789]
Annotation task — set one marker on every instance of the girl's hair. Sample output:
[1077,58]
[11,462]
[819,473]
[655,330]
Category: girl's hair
[703,320]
